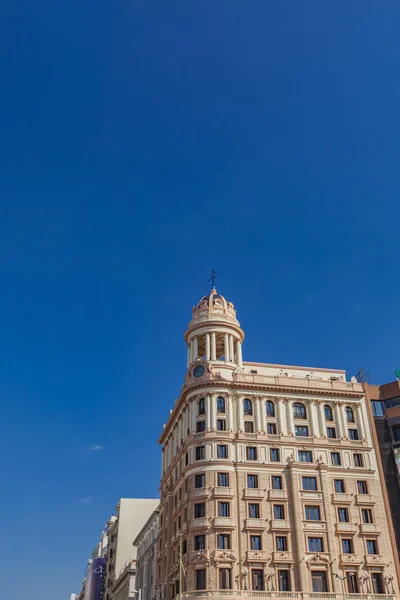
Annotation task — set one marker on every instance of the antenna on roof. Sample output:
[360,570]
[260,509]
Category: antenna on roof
[363,377]
[212,278]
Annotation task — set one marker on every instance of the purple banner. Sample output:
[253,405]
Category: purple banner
[96,580]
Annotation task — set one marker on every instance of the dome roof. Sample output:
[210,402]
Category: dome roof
[214,307]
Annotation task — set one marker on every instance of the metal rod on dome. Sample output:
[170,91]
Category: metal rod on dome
[212,278]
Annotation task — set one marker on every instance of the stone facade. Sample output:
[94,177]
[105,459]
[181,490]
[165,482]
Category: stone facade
[146,543]
[269,478]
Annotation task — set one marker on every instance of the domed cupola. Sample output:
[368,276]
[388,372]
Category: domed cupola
[214,332]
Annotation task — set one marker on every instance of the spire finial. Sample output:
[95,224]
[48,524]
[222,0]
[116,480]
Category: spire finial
[212,278]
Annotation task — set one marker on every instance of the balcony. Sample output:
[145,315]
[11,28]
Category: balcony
[256,556]
[306,495]
[255,524]
[253,493]
[372,560]
[350,560]
[198,556]
[199,493]
[346,528]
[277,495]
[246,594]
[338,498]
[282,557]
[314,525]
[280,524]
[201,522]
[366,528]
[223,492]
[224,522]
[365,499]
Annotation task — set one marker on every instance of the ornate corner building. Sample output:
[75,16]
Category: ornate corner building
[269,478]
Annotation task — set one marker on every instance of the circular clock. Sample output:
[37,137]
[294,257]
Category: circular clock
[198,371]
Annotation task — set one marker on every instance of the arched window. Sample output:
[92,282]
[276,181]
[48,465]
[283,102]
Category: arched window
[349,414]
[202,406]
[220,404]
[328,413]
[248,407]
[299,411]
[270,408]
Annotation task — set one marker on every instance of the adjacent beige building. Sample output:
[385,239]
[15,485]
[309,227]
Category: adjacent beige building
[132,514]
[269,478]
[146,543]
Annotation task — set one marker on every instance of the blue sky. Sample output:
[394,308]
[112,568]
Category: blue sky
[142,144]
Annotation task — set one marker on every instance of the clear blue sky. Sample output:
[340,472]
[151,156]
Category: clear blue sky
[142,144]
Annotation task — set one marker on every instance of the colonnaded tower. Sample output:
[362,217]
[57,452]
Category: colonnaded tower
[269,478]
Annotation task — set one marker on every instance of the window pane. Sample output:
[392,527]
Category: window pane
[312,513]
[247,407]
[339,486]
[305,456]
[254,511]
[276,482]
[347,546]
[284,581]
[248,426]
[258,579]
[319,583]
[301,431]
[315,544]
[199,480]
[281,543]
[309,483]
[270,409]
[274,454]
[252,481]
[255,542]
[200,579]
[279,511]
[271,428]
[223,479]
[220,405]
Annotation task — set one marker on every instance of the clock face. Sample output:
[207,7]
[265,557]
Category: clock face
[198,371]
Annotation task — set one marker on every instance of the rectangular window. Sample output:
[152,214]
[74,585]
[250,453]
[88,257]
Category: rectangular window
[372,547]
[281,543]
[200,426]
[199,510]
[255,542]
[315,544]
[252,481]
[331,432]
[301,431]
[358,460]
[223,509]
[271,428]
[274,454]
[284,580]
[222,451]
[224,541]
[200,579]
[309,483]
[377,584]
[223,479]
[251,453]
[353,434]
[200,480]
[378,408]
[352,582]
[312,513]
[279,511]
[339,486]
[225,579]
[221,424]
[336,459]
[200,452]
[343,515]
[257,579]
[276,482]
[347,546]
[362,487]
[254,511]
[249,427]
[305,456]
[319,582]
[367,515]
[199,542]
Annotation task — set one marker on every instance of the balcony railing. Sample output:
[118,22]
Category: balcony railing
[199,492]
[200,522]
[277,494]
[224,522]
[254,493]
[216,594]
[300,382]
[366,528]
[254,523]
[257,555]
[280,524]
[365,499]
[374,559]
[346,528]
[224,491]
[282,557]
[342,498]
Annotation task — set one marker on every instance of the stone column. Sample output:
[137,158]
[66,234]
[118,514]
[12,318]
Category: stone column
[188,354]
[195,348]
[280,416]
[314,419]
[213,416]
[229,417]
[208,411]
[239,412]
[338,419]
[289,416]
[360,422]
[208,353]
[239,353]
[213,347]
[321,417]
[231,351]
[193,406]
[226,351]
[258,409]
